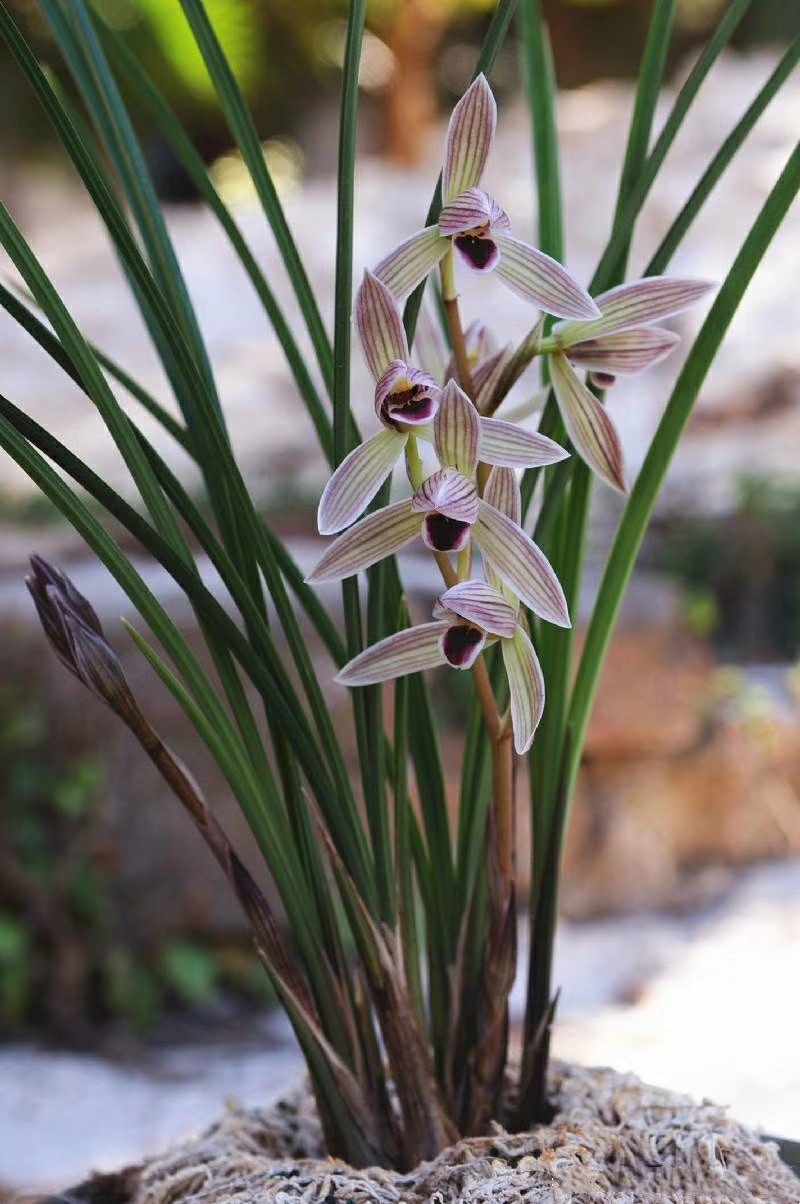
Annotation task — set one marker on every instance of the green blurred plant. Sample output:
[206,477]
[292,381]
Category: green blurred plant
[742,570]
[407,1041]
[65,963]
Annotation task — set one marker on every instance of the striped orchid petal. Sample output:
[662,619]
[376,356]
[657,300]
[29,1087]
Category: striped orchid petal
[469,139]
[479,342]
[526,409]
[357,479]
[502,491]
[526,688]
[376,536]
[449,493]
[520,564]
[480,347]
[472,210]
[408,651]
[430,349]
[505,443]
[407,265]
[541,280]
[634,304]
[379,325]
[488,373]
[457,431]
[626,353]
[478,603]
[589,427]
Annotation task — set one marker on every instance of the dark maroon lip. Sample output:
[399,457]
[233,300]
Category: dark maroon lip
[480,252]
[415,402]
[446,534]
[460,642]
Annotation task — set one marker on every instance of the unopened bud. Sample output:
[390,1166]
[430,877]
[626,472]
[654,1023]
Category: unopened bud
[76,635]
[98,667]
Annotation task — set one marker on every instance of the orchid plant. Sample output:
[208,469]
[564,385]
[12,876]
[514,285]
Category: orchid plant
[398,951]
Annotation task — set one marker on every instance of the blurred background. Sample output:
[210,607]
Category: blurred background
[130,1001]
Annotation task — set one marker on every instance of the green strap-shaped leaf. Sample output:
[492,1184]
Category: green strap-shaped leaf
[643,495]
[245,134]
[80,45]
[721,161]
[610,269]
[154,102]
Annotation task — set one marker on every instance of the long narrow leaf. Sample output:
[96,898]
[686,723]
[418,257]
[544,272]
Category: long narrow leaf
[640,504]
[97,83]
[27,320]
[721,161]
[608,270]
[244,131]
[651,77]
[155,103]
[91,377]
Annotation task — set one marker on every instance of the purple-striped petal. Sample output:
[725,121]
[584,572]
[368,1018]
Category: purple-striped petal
[478,603]
[407,265]
[479,342]
[634,304]
[591,431]
[376,536]
[502,491]
[469,139]
[379,325]
[357,479]
[488,373]
[449,493]
[541,280]
[408,651]
[430,349]
[526,409]
[507,444]
[472,210]
[626,353]
[526,688]
[520,564]
[456,431]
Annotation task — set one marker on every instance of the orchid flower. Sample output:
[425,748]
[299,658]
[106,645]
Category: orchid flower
[446,510]
[474,223]
[405,400]
[620,341]
[468,617]
[485,359]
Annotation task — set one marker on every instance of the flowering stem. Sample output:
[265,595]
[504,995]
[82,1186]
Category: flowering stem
[414,467]
[450,298]
[449,575]
[499,731]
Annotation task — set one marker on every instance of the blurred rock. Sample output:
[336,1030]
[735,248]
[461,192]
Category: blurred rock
[685,776]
